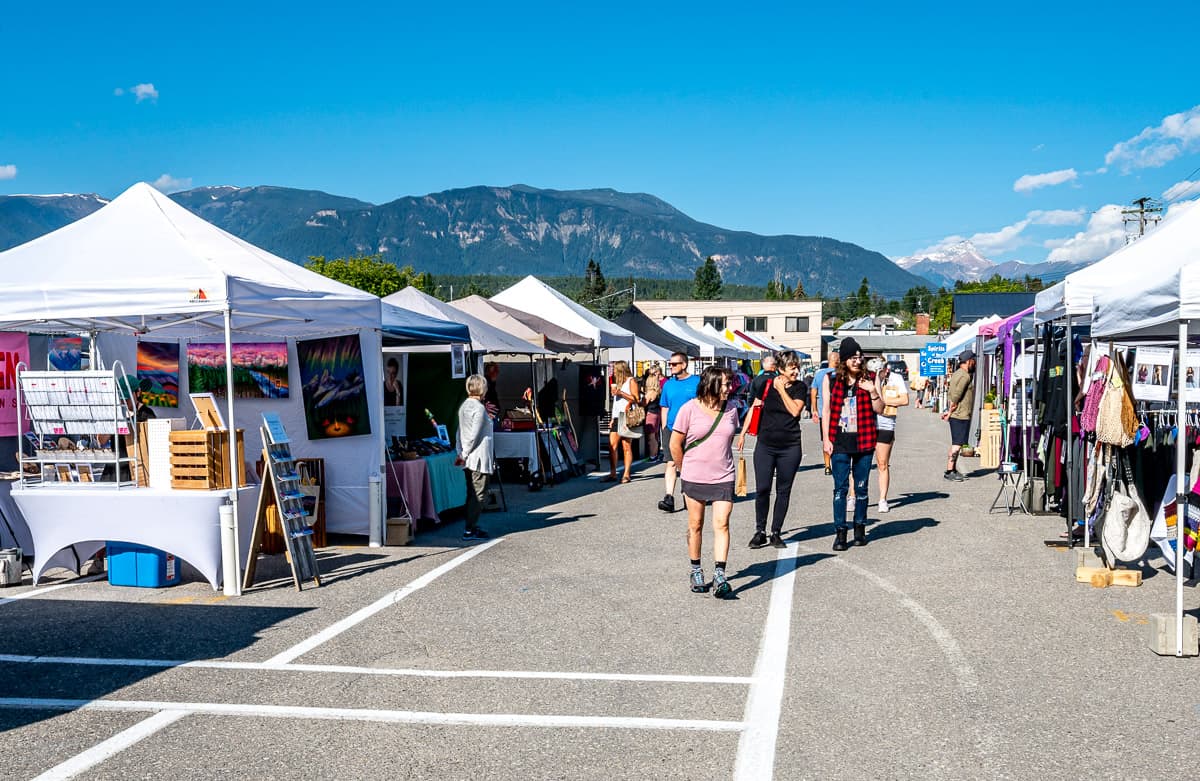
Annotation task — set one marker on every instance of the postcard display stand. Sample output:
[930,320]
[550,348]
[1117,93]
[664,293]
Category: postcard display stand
[283,478]
[76,419]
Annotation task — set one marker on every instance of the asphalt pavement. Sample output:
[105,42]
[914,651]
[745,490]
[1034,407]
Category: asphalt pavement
[956,644]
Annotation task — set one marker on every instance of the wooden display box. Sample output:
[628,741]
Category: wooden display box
[200,460]
[398,531]
[272,539]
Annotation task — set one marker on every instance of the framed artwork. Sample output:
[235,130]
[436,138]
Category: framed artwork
[158,362]
[1151,373]
[260,369]
[458,361]
[333,387]
[65,353]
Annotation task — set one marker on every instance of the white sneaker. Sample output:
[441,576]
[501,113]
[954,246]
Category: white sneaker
[883,505]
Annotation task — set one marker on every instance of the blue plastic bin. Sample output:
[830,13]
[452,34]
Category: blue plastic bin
[140,566]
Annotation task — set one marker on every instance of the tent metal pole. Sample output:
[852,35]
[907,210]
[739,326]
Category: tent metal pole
[1181,486]
[1069,372]
[233,589]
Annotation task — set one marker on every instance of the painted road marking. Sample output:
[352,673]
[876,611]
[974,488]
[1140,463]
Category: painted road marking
[386,671]
[111,747]
[373,715]
[352,620]
[756,747]
[39,590]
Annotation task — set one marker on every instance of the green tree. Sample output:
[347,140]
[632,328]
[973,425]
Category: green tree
[594,284]
[371,273]
[708,281]
[798,293]
[862,299]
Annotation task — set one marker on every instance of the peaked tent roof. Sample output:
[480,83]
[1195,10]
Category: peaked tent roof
[485,338]
[1152,308]
[1160,253]
[719,338]
[965,337]
[708,348]
[145,264]
[761,339]
[536,297]
[543,332]
[405,327]
[636,320]
[641,351]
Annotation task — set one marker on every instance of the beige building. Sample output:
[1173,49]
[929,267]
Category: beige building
[795,324]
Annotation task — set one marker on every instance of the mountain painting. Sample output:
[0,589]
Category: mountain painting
[260,369]
[159,363]
[334,390]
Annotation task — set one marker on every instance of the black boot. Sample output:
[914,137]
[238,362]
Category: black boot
[839,542]
[860,535]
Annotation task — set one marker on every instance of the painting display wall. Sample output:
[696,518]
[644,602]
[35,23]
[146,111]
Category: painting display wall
[260,369]
[158,362]
[333,387]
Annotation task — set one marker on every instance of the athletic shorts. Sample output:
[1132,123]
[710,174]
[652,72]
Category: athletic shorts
[708,492]
[885,436]
[960,431]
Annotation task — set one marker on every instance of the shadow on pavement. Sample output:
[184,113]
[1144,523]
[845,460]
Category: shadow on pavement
[881,531]
[916,497]
[763,572]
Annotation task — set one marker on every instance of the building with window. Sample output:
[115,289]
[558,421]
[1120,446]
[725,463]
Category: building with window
[796,324]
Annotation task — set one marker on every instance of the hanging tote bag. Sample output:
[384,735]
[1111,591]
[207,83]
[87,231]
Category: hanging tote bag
[1126,531]
[1116,421]
[756,412]
[635,415]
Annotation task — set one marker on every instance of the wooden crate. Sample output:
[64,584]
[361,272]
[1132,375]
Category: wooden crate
[990,439]
[200,460]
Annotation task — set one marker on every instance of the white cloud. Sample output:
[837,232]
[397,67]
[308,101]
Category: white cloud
[8,172]
[118,92]
[1104,234]
[1156,146]
[1179,189]
[988,243]
[1056,217]
[1039,148]
[1031,182]
[169,184]
[144,92]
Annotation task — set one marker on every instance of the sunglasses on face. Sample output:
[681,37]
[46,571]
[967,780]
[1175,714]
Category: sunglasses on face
[674,364]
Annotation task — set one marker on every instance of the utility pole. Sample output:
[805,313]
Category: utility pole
[1146,211]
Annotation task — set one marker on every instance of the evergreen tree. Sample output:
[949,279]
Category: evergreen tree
[594,284]
[798,293]
[862,301]
[708,281]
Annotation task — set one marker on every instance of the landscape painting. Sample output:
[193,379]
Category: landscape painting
[65,353]
[260,369]
[334,390]
[158,362]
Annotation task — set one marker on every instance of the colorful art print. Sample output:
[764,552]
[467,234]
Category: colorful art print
[158,362]
[260,369]
[333,387]
[1151,373]
[65,353]
[458,361]
[14,350]
[1191,384]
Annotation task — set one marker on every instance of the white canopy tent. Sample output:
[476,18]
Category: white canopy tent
[145,267]
[643,350]
[719,338]
[964,337]
[485,337]
[708,348]
[536,297]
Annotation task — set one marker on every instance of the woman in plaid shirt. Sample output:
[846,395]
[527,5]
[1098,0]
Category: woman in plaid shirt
[848,434]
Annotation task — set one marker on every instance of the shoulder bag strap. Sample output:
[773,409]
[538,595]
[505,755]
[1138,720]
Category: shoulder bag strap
[716,422]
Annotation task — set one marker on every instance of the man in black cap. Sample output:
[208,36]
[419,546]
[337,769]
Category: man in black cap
[961,397]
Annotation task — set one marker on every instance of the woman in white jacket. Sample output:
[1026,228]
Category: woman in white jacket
[475,452]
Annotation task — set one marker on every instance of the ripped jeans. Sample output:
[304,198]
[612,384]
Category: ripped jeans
[843,464]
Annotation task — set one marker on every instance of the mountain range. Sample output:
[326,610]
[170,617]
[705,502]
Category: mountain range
[501,230]
[964,262]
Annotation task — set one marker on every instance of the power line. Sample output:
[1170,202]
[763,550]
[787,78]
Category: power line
[1147,212]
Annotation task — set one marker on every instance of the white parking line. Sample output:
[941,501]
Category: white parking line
[111,747]
[392,671]
[333,631]
[756,747]
[382,716]
[39,590]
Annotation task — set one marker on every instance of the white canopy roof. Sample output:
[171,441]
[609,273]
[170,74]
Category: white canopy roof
[485,338]
[534,296]
[1160,253]
[145,264]
[762,339]
[719,338]
[708,347]
[965,337]
[1152,307]
[642,351]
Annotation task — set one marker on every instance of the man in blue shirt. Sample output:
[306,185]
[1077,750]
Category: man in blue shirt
[817,394]
[679,388]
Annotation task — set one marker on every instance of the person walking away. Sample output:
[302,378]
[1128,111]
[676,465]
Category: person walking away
[918,388]
[679,389]
[491,398]
[816,395]
[620,435]
[651,390]
[960,398]
[895,394]
[702,445]
[475,452]
[848,435]
[777,452]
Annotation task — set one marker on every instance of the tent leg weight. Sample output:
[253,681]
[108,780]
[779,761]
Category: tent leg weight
[1162,634]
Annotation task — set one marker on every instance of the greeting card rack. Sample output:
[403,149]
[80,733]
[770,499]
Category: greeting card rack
[79,427]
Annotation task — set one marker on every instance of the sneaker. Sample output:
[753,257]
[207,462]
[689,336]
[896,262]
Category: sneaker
[759,540]
[475,534]
[777,541]
[883,506]
[953,475]
[699,586]
[721,587]
[667,505]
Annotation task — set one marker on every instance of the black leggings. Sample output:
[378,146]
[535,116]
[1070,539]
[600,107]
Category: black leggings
[780,464]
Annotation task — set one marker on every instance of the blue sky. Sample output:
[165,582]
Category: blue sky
[900,127]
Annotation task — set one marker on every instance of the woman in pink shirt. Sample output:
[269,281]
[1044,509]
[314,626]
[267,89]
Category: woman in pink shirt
[702,443]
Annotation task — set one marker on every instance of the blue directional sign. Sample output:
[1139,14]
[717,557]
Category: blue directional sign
[933,360]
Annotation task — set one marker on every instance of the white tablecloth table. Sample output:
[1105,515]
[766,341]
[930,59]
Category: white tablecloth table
[71,558]
[515,444]
[184,523]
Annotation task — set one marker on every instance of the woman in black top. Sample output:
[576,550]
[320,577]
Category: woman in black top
[777,453]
